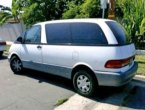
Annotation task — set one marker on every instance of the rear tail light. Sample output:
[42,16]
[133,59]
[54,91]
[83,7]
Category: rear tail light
[2,43]
[118,63]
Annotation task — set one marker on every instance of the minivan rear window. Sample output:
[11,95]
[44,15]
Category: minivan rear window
[87,34]
[118,32]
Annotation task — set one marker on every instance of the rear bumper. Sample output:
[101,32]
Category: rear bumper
[116,79]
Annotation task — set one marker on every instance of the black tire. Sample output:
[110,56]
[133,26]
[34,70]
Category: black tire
[84,83]
[1,53]
[16,65]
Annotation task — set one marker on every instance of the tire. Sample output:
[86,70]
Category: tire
[1,53]
[16,65]
[84,83]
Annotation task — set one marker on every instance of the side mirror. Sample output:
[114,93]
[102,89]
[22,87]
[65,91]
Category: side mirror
[19,40]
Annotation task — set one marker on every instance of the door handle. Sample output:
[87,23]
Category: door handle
[39,47]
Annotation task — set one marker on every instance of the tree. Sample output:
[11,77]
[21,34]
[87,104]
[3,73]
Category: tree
[34,11]
[6,14]
[73,10]
[82,9]
[133,14]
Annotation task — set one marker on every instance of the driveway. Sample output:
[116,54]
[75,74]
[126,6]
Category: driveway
[32,90]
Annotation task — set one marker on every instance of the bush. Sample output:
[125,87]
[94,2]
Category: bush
[133,19]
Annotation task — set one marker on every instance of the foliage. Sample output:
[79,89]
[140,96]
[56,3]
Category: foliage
[61,101]
[141,64]
[5,14]
[72,12]
[130,13]
[33,11]
[90,8]
[142,27]
[133,14]
[82,9]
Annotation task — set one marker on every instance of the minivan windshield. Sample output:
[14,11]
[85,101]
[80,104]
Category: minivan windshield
[118,32]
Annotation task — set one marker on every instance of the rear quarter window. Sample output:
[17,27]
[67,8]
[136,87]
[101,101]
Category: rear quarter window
[118,32]
[87,34]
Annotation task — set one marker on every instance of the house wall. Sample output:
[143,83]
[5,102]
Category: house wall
[9,32]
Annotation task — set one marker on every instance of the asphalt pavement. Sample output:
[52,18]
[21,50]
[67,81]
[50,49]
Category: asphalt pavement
[31,90]
[34,90]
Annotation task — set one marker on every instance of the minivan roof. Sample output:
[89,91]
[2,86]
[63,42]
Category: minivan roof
[91,20]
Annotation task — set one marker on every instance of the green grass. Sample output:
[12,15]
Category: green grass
[141,64]
[7,50]
[60,101]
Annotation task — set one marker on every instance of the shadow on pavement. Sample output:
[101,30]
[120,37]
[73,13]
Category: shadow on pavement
[130,96]
[3,57]
[126,96]
[48,78]
[136,98]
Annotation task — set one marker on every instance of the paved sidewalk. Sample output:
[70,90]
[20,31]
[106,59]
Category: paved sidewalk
[131,97]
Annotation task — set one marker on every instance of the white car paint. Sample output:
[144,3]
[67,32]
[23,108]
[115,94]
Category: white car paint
[71,56]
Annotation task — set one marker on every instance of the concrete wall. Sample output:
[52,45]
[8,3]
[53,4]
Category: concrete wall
[140,52]
[10,32]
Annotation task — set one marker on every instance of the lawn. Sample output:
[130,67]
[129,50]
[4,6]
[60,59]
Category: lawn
[141,64]
[7,50]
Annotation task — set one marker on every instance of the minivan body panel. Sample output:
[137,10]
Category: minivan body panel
[61,59]
[108,33]
[15,49]
[31,53]
[116,79]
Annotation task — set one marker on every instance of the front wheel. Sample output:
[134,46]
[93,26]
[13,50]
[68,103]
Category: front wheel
[84,83]
[16,65]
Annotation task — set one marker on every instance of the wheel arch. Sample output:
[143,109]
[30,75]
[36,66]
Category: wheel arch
[83,67]
[14,54]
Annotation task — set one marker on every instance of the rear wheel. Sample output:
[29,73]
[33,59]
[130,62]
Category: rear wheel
[84,83]
[1,53]
[16,65]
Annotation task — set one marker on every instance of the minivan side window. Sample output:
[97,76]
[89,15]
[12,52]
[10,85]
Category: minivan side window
[21,37]
[118,32]
[87,34]
[33,35]
[58,33]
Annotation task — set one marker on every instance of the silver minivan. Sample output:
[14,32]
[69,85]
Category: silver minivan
[90,52]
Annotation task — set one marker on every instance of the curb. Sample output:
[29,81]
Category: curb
[139,80]
[140,76]
[78,102]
